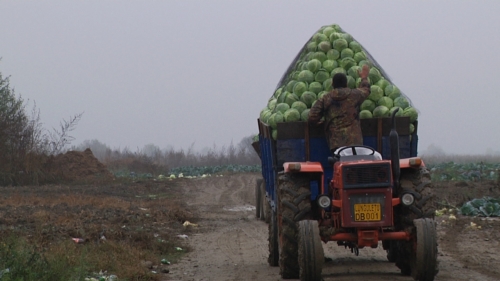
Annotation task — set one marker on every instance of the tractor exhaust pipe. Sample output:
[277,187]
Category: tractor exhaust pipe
[394,141]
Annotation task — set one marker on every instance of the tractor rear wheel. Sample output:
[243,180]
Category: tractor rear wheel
[273,244]
[258,198]
[423,260]
[294,199]
[418,183]
[311,255]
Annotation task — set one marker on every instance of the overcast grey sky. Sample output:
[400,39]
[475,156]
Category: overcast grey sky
[174,73]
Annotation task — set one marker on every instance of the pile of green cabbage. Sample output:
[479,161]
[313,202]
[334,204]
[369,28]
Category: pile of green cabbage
[484,207]
[329,51]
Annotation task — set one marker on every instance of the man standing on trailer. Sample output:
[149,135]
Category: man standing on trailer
[340,109]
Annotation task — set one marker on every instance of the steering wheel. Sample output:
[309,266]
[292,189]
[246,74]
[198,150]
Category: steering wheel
[353,147]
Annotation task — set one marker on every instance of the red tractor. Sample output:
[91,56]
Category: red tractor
[363,200]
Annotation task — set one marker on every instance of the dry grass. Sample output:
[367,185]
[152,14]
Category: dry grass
[139,221]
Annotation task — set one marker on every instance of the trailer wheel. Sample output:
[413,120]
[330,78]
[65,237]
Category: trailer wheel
[258,198]
[423,260]
[311,255]
[265,210]
[294,199]
[273,244]
[417,182]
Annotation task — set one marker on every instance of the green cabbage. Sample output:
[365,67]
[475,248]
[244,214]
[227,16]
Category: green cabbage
[327,85]
[308,98]
[351,82]
[334,36]
[289,85]
[340,44]
[328,31]
[400,111]
[412,113]
[374,75]
[347,63]
[329,65]
[316,87]
[324,46]
[338,70]
[304,115]
[365,114]
[299,106]
[319,37]
[359,56]
[347,53]
[368,105]
[299,88]
[320,56]
[277,92]
[385,101]
[291,98]
[401,102]
[312,46]
[281,107]
[333,54]
[306,76]
[355,46]
[271,104]
[321,76]
[354,72]
[314,65]
[292,115]
[382,83]
[375,93]
[381,111]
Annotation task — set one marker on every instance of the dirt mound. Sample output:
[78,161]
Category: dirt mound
[77,167]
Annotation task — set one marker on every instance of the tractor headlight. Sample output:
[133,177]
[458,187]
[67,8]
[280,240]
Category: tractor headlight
[324,201]
[407,199]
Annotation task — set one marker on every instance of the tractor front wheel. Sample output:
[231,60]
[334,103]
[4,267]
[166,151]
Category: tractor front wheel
[423,260]
[311,255]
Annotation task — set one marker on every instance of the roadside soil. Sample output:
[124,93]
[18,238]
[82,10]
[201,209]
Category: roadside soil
[231,244]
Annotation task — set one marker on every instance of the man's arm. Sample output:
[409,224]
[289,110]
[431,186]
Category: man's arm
[364,86]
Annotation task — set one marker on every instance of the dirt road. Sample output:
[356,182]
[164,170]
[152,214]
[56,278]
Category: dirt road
[231,244]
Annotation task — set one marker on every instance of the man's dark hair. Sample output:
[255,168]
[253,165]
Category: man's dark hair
[339,81]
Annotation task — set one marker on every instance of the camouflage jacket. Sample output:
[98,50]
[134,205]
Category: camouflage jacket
[340,108]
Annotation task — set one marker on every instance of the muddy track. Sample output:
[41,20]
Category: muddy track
[230,244]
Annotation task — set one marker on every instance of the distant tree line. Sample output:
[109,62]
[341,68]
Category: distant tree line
[152,159]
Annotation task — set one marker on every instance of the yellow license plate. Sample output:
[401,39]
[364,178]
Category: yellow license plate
[367,212]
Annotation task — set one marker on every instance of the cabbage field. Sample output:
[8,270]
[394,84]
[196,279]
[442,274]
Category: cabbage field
[473,171]
[329,51]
